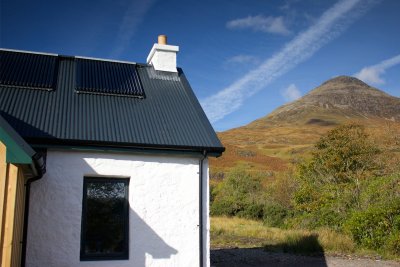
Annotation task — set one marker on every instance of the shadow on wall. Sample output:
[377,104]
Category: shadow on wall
[144,240]
[296,251]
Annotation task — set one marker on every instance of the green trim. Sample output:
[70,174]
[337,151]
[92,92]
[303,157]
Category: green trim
[17,150]
[14,152]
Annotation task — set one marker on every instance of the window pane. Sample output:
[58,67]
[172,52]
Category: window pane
[106,218]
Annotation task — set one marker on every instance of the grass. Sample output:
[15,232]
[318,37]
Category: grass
[237,232]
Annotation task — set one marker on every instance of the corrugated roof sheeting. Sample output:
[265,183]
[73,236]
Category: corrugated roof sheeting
[103,77]
[169,117]
[34,71]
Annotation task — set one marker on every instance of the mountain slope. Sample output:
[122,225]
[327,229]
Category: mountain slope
[340,98]
[269,144]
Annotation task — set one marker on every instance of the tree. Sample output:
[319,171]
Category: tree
[329,184]
[345,152]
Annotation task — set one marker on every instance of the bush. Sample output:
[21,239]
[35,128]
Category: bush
[281,191]
[252,211]
[380,190]
[274,215]
[239,194]
[393,243]
[374,227]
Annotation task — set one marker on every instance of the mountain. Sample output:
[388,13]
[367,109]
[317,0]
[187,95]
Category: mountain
[268,145]
[337,100]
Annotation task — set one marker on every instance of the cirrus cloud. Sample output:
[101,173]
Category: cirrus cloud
[260,23]
[131,20]
[242,59]
[373,74]
[330,25]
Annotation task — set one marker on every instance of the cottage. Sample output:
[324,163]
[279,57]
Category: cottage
[103,163]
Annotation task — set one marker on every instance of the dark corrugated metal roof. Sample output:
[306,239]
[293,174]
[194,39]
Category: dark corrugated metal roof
[170,117]
[104,77]
[35,71]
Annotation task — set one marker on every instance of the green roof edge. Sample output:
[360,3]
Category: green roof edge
[17,150]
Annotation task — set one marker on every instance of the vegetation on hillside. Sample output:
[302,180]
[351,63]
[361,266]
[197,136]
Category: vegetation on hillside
[349,185]
[268,145]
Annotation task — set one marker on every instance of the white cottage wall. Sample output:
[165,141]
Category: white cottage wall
[163,216]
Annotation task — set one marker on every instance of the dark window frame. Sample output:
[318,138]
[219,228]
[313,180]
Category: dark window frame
[99,257]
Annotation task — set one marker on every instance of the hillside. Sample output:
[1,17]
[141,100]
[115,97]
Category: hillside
[268,145]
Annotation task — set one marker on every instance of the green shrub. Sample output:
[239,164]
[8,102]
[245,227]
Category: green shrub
[373,227]
[239,194]
[381,190]
[252,211]
[274,215]
[393,243]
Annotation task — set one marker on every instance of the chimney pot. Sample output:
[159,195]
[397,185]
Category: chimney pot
[162,39]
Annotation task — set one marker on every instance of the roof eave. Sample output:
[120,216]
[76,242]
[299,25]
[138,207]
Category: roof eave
[122,147]
[18,151]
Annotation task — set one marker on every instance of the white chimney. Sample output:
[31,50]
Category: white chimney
[163,56]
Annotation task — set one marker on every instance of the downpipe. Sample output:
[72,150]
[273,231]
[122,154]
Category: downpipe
[201,223]
[39,168]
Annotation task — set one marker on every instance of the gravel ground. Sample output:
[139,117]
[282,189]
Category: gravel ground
[257,257]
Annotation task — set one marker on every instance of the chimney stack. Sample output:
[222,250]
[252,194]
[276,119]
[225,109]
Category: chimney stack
[163,56]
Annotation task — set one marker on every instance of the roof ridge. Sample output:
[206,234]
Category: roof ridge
[59,55]
[29,52]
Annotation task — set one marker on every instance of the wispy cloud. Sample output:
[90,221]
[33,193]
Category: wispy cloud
[291,93]
[330,25]
[260,23]
[373,74]
[132,18]
[287,5]
[242,59]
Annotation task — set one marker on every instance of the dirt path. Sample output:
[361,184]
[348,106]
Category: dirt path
[257,257]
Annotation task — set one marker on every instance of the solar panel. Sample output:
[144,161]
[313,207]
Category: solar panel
[109,78]
[26,70]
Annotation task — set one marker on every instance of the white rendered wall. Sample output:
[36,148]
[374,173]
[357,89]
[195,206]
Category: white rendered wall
[163,215]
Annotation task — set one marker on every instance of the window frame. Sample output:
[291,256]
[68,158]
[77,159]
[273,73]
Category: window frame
[112,256]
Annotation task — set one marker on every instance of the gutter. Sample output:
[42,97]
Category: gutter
[201,224]
[41,143]
[38,167]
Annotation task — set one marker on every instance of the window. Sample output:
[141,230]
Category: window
[105,219]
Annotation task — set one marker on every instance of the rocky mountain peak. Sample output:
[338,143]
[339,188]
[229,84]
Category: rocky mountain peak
[348,80]
[342,97]
[346,86]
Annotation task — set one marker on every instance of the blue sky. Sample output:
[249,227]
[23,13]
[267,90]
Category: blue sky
[242,58]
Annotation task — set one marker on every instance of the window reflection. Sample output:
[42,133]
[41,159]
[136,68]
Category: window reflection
[106,218]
